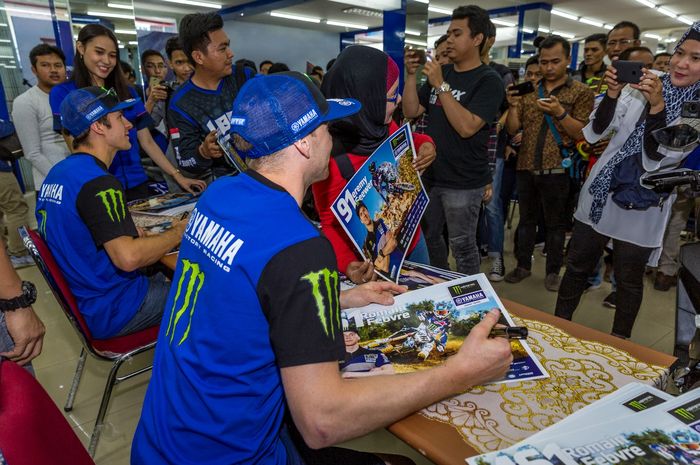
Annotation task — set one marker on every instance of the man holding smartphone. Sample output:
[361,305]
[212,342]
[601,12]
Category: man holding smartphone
[541,177]
[461,99]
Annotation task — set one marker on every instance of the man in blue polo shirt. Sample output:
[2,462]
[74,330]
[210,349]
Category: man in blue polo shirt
[252,327]
[82,216]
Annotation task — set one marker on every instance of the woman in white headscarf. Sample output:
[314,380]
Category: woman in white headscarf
[612,204]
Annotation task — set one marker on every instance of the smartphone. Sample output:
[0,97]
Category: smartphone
[523,88]
[628,71]
[154,81]
[546,100]
[418,52]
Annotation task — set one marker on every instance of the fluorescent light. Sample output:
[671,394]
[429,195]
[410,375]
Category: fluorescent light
[216,6]
[670,40]
[647,3]
[608,26]
[527,30]
[667,12]
[3,24]
[29,12]
[120,6]
[411,32]
[592,22]
[437,9]
[416,42]
[348,25]
[5,41]
[543,29]
[564,14]
[125,31]
[652,36]
[566,35]
[685,20]
[423,1]
[500,22]
[7,56]
[133,42]
[107,14]
[308,19]
[75,36]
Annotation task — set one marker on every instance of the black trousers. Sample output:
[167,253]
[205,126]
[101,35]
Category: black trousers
[550,191]
[585,249]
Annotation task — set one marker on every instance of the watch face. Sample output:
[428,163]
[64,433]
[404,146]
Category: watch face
[29,292]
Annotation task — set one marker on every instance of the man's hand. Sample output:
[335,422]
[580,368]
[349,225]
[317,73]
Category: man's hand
[157,93]
[481,359]
[361,272]
[411,62]
[376,292]
[488,193]
[27,331]
[513,100]
[193,186]
[552,108]
[433,71]
[426,156]
[614,87]
[210,148]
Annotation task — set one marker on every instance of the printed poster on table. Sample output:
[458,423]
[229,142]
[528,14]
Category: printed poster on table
[426,326]
[381,206]
[660,432]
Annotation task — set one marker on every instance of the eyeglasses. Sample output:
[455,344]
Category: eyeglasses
[623,42]
[107,93]
[395,97]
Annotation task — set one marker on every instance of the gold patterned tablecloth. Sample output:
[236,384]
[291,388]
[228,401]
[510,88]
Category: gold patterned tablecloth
[493,417]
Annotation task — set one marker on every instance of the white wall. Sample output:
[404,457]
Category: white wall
[293,46]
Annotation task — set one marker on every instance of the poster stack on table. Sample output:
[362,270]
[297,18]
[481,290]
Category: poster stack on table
[381,206]
[157,214]
[636,425]
[425,326]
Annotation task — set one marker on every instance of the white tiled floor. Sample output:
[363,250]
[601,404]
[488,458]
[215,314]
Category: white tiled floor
[55,366]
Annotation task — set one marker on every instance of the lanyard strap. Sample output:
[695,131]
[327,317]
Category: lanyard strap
[553,129]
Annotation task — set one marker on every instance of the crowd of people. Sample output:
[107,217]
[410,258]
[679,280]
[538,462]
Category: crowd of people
[251,313]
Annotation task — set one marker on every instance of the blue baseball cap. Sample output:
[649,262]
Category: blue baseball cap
[274,111]
[82,107]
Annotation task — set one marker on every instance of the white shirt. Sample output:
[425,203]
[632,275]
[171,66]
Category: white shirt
[641,227]
[33,120]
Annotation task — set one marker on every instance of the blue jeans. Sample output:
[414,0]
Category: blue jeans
[460,209]
[596,279]
[494,214]
[150,313]
[7,343]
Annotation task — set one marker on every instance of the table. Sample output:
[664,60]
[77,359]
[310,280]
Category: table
[494,417]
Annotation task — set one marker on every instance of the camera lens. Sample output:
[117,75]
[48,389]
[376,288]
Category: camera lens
[693,107]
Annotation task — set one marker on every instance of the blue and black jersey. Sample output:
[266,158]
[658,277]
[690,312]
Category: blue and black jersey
[193,113]
[363,360]
[126,165]
[256,289]
[80,207]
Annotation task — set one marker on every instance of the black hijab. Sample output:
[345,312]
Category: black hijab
[360,73]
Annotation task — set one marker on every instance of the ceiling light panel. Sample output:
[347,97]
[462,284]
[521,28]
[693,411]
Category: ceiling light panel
[307,19]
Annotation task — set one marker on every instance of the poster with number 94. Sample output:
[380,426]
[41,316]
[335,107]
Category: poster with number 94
[380,208]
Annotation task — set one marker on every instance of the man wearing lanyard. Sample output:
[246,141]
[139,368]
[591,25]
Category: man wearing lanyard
[541,175]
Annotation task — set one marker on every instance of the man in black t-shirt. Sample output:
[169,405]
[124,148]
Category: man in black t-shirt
[203,104]
[462,99]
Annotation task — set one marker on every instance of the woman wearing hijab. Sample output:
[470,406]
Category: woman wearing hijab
[637,232]
[372,77]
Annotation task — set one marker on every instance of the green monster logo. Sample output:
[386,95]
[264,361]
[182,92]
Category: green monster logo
[195,281]
[113,201]
[638,405]
[681,412]
[42,222]
[326,282]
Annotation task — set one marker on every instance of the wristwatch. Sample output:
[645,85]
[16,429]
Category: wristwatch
[444,87]
[27,298]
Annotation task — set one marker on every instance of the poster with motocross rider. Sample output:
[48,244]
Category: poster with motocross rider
[381,206]
[424,327]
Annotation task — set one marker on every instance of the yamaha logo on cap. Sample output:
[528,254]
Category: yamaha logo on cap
[299,124]
[94,112]
[237,121]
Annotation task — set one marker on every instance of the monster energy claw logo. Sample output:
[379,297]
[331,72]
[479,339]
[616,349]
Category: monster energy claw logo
[637,405]
[326,282]
[191,280]
[42,222]
[113,200]
[681,412]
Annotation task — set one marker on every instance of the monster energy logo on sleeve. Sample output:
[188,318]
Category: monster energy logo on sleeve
[42,222]
[113,200]
[192,280]
[324,287]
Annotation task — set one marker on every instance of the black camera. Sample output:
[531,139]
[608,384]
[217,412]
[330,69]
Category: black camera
[691,109]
